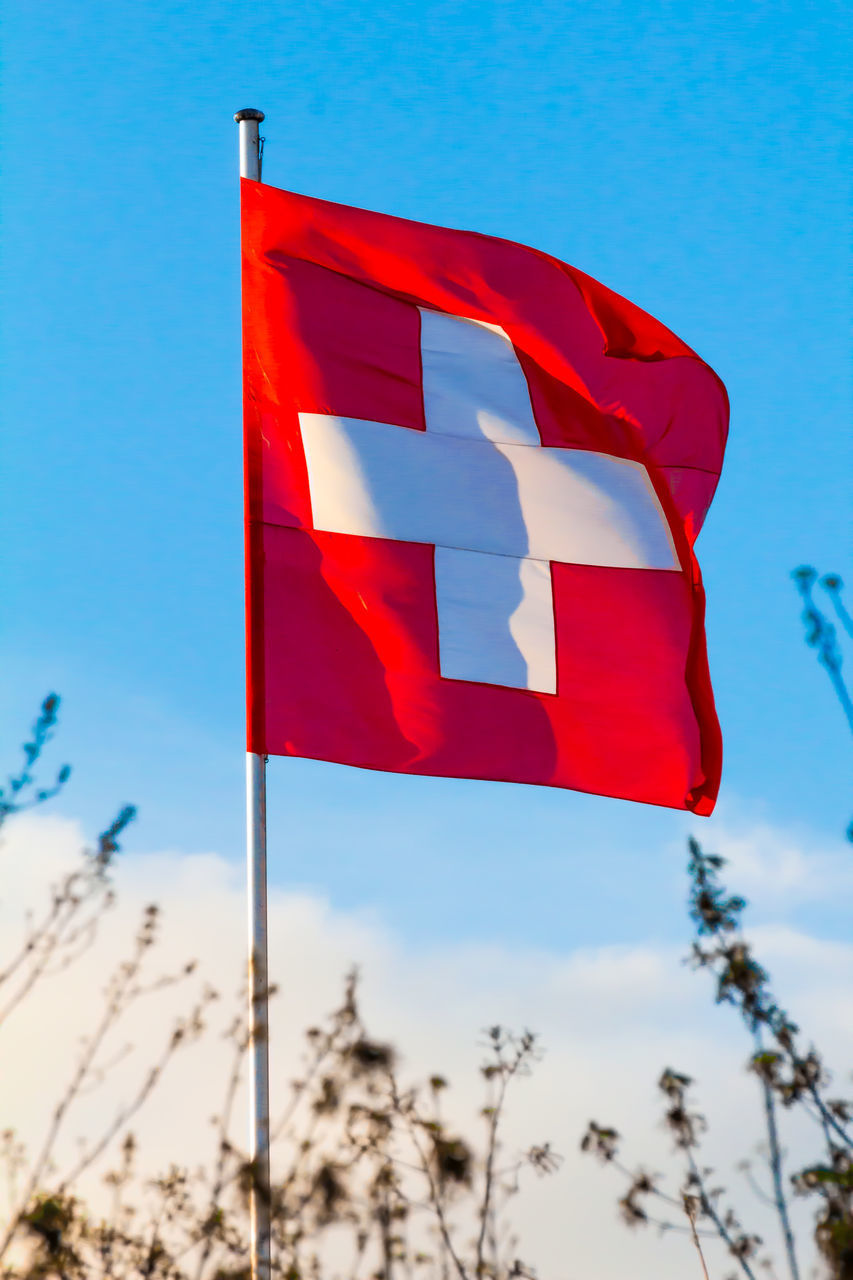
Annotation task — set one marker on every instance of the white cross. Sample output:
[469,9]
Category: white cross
[497,505]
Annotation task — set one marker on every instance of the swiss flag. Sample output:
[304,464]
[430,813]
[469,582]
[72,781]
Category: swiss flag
[473,480]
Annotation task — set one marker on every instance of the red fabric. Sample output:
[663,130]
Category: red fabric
[343,654]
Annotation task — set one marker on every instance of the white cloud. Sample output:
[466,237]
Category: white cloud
[775,865]
[610,1018]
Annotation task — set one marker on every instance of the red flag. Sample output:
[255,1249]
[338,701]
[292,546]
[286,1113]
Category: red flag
[473,480]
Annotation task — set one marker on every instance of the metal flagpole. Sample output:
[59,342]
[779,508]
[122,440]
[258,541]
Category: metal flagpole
[256,858]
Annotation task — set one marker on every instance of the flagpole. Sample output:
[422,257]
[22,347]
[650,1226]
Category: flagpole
[256,865]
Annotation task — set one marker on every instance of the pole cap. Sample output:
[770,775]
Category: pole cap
[248,113]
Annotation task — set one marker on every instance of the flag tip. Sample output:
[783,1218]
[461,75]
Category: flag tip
[248,113]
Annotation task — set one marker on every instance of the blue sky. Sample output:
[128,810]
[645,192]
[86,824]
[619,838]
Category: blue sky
[691,156]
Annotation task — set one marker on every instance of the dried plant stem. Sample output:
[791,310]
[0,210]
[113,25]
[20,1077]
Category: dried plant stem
[223,1124]
[488,1187]
[436,1198]
[708,1209]
[50,938]
[694,1234]
[145,1090]
[777,1175]
[117,994]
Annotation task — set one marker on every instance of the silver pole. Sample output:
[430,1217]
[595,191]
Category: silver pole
[259,1061]
[256,859]
[250,148]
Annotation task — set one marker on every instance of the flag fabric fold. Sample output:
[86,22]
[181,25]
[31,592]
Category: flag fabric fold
[474,476]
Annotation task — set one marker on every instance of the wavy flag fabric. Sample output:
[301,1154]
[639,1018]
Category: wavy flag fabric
[474,476]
